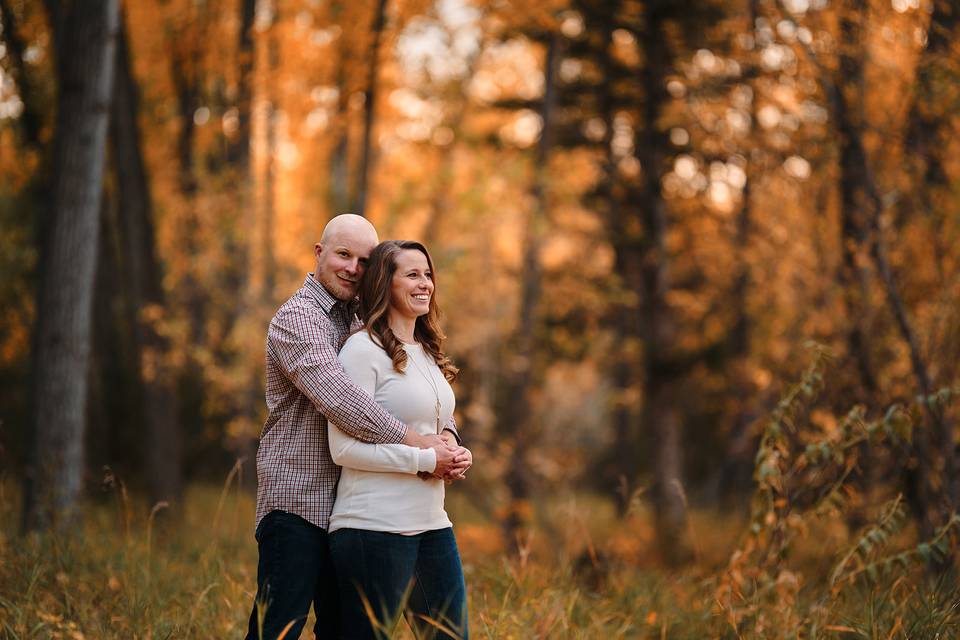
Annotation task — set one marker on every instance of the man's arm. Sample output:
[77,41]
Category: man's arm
[301,346]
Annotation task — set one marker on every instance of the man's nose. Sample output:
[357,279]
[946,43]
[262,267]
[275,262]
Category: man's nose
[353,266]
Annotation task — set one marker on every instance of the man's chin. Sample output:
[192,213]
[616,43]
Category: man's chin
[338,290]
[346,294]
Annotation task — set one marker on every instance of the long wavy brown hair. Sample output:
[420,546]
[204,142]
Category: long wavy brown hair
[375,306]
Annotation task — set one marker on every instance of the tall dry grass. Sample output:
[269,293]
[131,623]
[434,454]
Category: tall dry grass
[118,577]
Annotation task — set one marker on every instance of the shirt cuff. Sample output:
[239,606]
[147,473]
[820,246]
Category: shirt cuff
[452,429]
[427,460]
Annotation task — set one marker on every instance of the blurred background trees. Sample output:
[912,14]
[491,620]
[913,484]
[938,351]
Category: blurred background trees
[641,212]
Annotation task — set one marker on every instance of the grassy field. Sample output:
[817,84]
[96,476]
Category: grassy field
[123,574]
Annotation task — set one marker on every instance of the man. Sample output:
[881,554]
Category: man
[296,477]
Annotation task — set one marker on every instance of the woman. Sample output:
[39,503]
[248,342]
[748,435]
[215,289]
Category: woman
[390,538]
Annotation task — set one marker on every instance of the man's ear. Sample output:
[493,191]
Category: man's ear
[317,249]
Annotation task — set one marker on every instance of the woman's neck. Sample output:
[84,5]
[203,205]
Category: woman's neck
[402,327]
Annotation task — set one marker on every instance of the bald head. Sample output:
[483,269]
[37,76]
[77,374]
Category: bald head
[350,224]
[342,254]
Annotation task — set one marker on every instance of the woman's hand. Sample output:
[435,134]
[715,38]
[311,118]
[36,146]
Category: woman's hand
[457,460]
[463,460]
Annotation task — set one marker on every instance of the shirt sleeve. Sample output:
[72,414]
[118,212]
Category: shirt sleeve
[301,346]
[361,366]
[451,426]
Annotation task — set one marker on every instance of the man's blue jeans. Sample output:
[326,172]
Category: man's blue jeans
[294,571]
[418,575]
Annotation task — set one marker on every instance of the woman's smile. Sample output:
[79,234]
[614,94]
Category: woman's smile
[412,285]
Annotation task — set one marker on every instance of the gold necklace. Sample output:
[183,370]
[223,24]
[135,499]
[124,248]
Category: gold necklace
[433,385]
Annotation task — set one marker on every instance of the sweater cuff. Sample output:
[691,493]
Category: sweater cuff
[427,460]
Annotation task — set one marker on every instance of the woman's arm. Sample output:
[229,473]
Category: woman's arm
[350,452]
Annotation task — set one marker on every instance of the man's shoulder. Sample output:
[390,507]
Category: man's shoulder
[300,308]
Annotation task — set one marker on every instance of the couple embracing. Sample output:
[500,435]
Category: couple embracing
[358,444]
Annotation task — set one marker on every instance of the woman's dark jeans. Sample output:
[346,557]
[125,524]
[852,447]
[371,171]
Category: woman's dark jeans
[393,574]
[294,572]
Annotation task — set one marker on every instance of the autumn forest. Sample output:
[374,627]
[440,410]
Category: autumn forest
[698,261]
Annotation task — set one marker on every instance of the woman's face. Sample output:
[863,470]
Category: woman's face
[412,285]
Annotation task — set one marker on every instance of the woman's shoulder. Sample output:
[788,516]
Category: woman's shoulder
[361,342]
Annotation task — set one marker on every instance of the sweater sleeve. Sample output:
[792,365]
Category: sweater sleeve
[361,364]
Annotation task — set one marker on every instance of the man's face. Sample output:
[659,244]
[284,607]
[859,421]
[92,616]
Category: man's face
[342,261]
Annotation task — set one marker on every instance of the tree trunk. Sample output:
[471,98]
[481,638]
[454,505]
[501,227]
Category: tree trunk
[928,122]
[661,375]
[340,196]
[734,470]
[368,156]
[144,290]
[848,112]
[625,243]
[928,133]
[115,395]
[187,92]
[185,75]
[239,150]
[524,372]
[861,208]
[339,188]
[84,40]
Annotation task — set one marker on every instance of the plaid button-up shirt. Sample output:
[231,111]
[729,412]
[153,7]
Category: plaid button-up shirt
[306,386]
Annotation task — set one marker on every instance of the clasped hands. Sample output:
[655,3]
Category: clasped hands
[452,459]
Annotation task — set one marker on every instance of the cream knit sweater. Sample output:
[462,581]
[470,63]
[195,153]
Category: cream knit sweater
[379,489]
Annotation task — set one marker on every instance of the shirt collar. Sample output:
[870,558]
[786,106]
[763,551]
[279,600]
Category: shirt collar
[325,299]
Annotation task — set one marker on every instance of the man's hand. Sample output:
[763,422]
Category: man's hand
[429,441]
